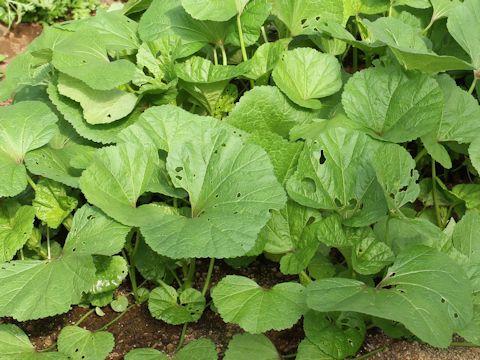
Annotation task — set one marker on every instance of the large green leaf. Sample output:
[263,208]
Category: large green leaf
[391,105]
[265,108]
[464,26]
[99,106]
[443,8]
[168,17]
[248,346]
[82,56]
[231,185]
[25,126]
[175,308]
[199,70]
[215,10]
[305,75]
[334,173]
[338,336]
[81,344]
[117,177]
[14,344]
[72,112]
[410,48]
[265,59]
[16,225]
[242,301]
[474,152]
[424,290]
[52,203]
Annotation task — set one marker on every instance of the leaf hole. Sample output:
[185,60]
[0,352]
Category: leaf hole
[238,195]
[74,249]
[443,301]
[178,177]
[455,315]
[223,145]
[322,158]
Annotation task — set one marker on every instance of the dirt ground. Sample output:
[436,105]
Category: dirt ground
[138,329]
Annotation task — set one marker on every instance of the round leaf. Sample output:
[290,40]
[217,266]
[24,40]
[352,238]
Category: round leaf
[81,344]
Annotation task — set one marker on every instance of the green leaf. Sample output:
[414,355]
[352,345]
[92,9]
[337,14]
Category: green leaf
[443,8]
[265,108]
[334,174]
[117,177]
[145,354]
[464,27]
[470,193]
[266,58]
[151,265]
[203,349]
[111,271]
[199,70]
[305,75]
[14,344]
[52,203]
[16,225]
[175,308]
[472,330]
[99,106]
[241,301]
[82,56]
[331,232]
[338,336]
[392,106]
[82,344]
[55,161]
[25,126]
[72,112]
[228,201]
[93,232]
[410,48]
[424,290]
[252,19]
[168,17]
[396,174]
[120,304]
[214,10]
[309,351]
[370,256]
[474,152]
[248,346]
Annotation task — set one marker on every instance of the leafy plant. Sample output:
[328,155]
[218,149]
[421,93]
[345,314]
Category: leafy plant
[340,139]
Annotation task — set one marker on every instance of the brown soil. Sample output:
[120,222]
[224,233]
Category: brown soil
[15,40]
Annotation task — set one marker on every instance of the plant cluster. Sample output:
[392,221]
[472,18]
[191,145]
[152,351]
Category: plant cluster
[340,139]
[48,11]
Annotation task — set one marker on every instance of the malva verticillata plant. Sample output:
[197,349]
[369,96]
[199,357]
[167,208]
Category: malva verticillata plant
[340,139]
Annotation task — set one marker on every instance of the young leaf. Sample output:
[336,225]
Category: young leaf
[307,350]
[369,256]
[265,108]
[16,225]
[25,126]
[241,301]
[81,344]
[175,308]
[203,349]
[14,344]
[391,105]
[464,27]
[419,277]
[305,75]
[99,106]
[72,112]
[120,304]
[248,346]
[111,271]
[265,59]
[145,354]
[338,336]
[52,203]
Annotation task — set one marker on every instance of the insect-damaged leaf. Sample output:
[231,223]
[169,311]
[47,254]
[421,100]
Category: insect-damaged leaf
[81,344]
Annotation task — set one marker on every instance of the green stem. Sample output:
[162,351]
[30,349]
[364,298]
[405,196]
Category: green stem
[191,272]
[86,315]
[390,10]
[31,183]
[49,255]
[182,337]
[434,194]
[432,21]
[131,267]
[175,276]
[420,155]
[371,353]
[472,87]
[264,34]
[20,254]
[224,54]
[242,44]
[462,344]
[215,56]
[209,276]
[110,323]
